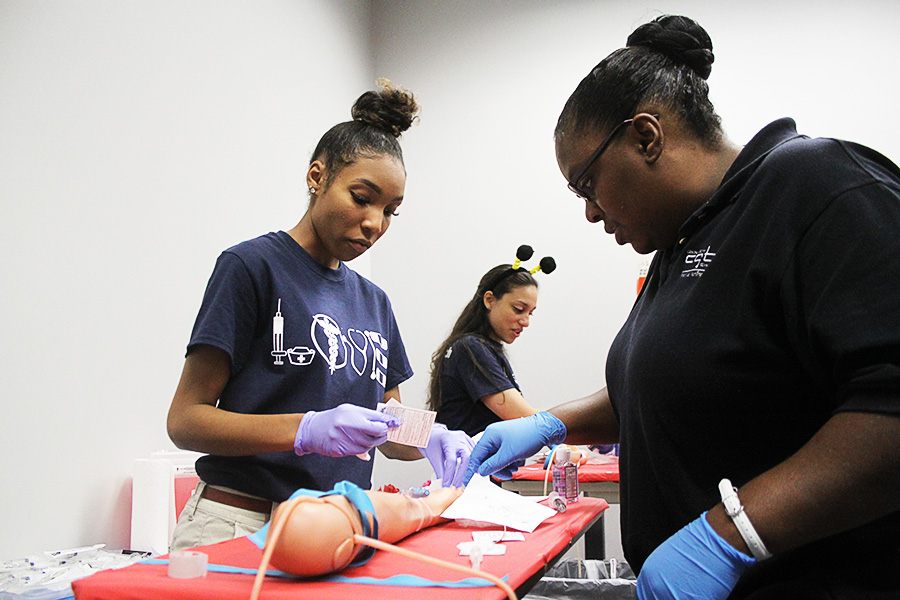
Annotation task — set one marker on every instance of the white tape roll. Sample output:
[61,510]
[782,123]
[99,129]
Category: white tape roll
[187,564]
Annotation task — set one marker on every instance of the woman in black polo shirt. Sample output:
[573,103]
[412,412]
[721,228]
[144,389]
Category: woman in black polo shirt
[763,351]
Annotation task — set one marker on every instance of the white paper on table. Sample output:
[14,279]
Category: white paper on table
[484,501]
[415,424]
[487,549]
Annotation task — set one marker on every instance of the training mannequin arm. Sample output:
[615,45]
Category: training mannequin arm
[311,536]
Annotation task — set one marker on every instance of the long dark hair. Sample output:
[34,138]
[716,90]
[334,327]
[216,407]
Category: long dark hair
[665,64]
[379,118]
[474,320]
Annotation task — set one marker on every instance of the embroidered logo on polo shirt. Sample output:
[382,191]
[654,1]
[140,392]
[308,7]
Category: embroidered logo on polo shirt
[697,262]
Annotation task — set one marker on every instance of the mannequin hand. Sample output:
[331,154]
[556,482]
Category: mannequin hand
[503,444]
[692,564]
[345,430]
[448,452]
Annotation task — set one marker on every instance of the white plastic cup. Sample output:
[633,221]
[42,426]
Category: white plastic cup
[187,564]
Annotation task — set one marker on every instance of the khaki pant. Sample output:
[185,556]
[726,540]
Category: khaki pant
[203,522]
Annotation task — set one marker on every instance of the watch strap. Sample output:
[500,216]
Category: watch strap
[735,510]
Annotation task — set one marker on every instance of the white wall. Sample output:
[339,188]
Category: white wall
[138,139]
[492,78]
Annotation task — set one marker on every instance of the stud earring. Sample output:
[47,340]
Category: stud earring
[312,190]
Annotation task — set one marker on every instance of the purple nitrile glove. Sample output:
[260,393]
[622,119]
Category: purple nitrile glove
[605,449]
[505,445]
[448,452]
[344,430]
[695,563]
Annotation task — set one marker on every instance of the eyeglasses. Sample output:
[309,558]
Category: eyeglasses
[575,183]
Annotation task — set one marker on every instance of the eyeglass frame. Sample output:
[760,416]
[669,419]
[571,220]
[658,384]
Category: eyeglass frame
[573,183]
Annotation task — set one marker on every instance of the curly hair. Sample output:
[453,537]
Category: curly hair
[379,118]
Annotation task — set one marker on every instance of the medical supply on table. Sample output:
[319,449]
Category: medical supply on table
[475,555]
[565,475]
[416,492]
[556,502]
[187,564]
[49,576]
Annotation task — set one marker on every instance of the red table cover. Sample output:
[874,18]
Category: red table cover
[586,473]
[522,559]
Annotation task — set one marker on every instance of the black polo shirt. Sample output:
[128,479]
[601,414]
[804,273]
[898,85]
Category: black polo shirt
[778,307]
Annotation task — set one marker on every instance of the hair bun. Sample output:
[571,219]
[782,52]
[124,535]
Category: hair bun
[390,109]
[680,38]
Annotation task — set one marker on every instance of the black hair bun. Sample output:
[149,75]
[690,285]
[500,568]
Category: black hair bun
[548,265]
[390,109]
[524,252]
[680,38]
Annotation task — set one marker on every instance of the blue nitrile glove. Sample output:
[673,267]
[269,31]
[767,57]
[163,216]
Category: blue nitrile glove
[448,452]
[549,454]
[344,430]
[504,443]
[695,563]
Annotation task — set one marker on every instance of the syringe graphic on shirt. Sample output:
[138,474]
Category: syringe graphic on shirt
[298,355]
[278,336]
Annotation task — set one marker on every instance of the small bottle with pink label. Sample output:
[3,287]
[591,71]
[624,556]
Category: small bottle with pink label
[565,475]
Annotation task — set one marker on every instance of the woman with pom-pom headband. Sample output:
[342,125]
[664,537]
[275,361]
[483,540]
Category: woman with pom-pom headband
[472,382]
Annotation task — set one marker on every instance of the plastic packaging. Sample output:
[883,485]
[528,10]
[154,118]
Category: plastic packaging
[48,576]
[574,579]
